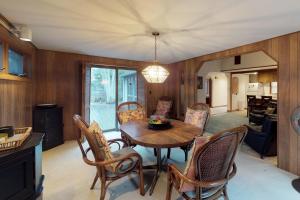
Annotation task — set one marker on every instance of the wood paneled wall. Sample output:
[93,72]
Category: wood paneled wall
[16,94]
[285,50]
[15,103]
[59,80]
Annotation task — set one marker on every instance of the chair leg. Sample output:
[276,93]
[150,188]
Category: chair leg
[225,193]
[169,188]
[103,189]
[95,181]
[186,154]
[141,174]
[198,194]
[169,153]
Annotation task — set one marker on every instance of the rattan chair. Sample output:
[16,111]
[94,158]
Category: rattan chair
[131,105]
[197,106]
[214,167]
[127,160]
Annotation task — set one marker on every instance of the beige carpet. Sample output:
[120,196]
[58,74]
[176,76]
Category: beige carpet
[69,178]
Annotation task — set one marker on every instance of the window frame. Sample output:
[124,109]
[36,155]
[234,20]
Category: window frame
[86,78]
[23,58]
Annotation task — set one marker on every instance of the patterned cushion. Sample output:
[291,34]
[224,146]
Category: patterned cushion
[101,141]
[196,117]
[163,107]
[190,169]
[129,115]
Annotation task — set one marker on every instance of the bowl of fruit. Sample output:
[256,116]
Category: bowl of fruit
[158,122]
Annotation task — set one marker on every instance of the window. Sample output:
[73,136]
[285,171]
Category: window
[15,63]
[127,85]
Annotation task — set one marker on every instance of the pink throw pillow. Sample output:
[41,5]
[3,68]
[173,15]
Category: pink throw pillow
[190,169]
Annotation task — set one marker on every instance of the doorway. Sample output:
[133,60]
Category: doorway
[108,87]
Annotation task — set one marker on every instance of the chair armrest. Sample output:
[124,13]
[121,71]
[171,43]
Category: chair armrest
[233,172]
[175,173]
[116,141]
[111,161]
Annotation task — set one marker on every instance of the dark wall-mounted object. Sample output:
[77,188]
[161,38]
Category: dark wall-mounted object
[21,170]
[237,60]
[200,82]
[7,129]
[49,120]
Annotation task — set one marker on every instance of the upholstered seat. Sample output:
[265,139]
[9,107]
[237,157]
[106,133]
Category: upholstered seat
[127,164]
[263,140]
[206,192]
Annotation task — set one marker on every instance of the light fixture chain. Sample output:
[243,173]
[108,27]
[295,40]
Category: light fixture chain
[155,51]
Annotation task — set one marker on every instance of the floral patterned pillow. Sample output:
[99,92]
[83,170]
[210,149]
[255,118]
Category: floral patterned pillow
[190,169]
[163,107]
[102,143]
[196,117]
[129,115]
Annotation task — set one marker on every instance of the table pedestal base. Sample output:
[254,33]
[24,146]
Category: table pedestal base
[158,168]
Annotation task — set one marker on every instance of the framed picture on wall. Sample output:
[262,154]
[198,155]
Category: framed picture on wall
[200,82]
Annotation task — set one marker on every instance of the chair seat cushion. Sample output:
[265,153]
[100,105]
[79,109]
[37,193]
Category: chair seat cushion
[206,192]
[190,169]
[196,117]
[127,164]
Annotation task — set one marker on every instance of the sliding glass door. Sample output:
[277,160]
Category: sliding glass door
[103,97]
[109,87]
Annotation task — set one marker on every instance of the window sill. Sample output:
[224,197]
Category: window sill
[4,76]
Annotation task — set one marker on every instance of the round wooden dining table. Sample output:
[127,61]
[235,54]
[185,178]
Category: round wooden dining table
[180,134]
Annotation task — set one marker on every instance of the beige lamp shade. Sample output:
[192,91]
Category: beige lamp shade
[155,74]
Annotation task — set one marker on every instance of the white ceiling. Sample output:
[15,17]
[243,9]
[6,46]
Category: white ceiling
[122,28]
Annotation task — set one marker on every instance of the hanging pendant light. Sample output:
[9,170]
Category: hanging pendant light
[155,73]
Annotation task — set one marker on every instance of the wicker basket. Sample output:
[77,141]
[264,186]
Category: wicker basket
[20,135]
